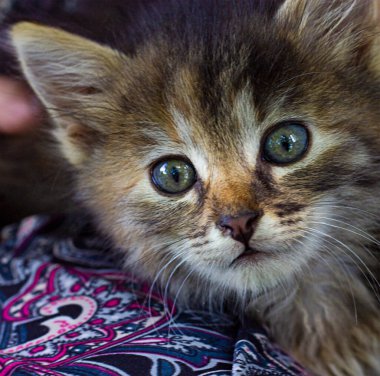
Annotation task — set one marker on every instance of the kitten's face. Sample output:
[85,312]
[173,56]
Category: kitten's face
[298,204]
[240,163]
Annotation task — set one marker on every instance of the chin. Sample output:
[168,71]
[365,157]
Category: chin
[251,275]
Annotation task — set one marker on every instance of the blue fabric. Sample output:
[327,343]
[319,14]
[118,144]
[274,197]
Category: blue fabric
[67,310]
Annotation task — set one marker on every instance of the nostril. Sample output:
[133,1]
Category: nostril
[225,228]
[250,222]
[251,219]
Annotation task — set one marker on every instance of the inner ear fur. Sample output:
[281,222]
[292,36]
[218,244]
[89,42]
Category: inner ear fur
[74,78]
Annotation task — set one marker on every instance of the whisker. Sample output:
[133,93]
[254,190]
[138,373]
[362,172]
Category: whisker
[322,204]
[345,271]
[366,236]
[353,254]
[166,290]
[170,314]
[157,276]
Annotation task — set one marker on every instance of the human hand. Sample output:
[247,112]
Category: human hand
[19,109]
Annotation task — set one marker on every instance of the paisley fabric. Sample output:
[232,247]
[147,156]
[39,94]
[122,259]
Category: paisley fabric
[67,309]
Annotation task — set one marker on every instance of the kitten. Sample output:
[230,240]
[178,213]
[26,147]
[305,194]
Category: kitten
[235,154]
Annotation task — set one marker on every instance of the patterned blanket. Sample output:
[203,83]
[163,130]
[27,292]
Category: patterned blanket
[67,310]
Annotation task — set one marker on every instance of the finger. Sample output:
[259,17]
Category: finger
[19,109]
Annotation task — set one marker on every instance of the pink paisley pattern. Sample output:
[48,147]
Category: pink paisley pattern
[65,310]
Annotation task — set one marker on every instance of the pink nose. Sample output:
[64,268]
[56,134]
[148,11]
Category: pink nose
[240,227]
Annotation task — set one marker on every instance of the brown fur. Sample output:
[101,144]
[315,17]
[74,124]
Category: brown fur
[210,90]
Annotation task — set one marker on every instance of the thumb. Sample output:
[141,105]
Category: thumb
[19,109]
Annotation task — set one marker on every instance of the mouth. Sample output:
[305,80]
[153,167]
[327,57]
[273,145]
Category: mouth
[248,255]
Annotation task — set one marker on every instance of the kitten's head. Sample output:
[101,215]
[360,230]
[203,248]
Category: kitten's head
[237,145]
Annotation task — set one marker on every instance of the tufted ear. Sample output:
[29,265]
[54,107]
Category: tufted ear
[75,80]
[342,28]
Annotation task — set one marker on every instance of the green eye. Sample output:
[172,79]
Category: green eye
[287,143]
[173,176]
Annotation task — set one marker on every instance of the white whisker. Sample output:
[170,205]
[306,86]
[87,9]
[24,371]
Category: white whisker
[366,268]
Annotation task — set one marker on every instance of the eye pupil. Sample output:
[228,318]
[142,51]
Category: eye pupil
[287,143]
[175,174]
